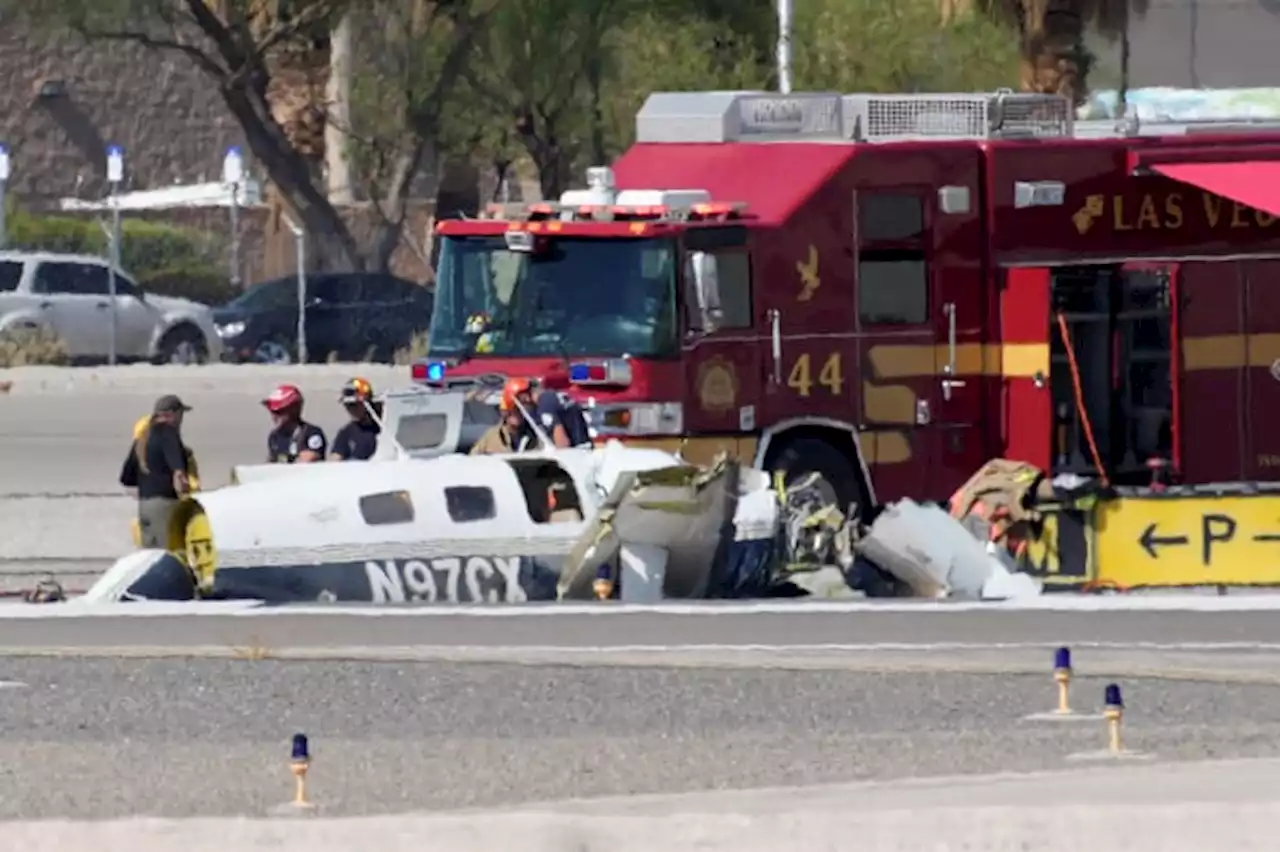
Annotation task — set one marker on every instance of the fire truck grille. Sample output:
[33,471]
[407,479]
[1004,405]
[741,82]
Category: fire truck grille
[882,118]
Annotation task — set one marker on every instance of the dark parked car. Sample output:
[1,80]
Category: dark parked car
[350,317]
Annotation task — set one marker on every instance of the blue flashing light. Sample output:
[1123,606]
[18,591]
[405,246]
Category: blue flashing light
[1112,696]
[301,751]
[435,371]
[579,373]
[1062,658]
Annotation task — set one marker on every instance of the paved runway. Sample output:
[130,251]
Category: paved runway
[102,738]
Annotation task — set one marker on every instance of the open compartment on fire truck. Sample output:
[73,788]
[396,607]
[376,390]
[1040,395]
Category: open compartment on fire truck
[1112,366]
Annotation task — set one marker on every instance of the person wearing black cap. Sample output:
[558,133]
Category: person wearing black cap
[157,467]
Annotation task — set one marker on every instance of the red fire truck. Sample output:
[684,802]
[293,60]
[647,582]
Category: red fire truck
[891,289]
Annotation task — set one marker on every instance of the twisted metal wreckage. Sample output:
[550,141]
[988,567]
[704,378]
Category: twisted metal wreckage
[422,522]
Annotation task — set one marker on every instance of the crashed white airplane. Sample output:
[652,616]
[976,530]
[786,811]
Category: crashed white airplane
[423,523]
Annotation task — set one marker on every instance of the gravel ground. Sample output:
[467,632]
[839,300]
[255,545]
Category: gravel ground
[108,738]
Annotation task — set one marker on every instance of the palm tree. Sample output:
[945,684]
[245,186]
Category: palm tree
[1051,36]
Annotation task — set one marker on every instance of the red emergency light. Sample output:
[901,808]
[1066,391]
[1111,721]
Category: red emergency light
[418,372]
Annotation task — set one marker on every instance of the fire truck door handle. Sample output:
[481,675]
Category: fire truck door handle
[949,370]
[775,333]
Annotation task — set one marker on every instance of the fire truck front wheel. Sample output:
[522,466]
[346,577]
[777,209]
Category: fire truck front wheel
[838,481]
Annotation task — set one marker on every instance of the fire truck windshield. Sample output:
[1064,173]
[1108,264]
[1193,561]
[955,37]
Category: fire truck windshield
[574,296]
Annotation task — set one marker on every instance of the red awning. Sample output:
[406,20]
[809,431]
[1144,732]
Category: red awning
[1255,183]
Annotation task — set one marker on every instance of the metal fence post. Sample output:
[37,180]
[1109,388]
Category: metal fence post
[115,175]
[233,174]
[300,243]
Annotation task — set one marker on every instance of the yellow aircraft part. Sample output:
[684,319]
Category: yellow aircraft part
[197,546]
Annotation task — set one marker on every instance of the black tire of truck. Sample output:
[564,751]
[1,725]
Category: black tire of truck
[802,456]
[183,344]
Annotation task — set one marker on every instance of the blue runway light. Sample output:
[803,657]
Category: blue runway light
[603,584]
[1062,658]
[301,751]
[1112,696]
[435,371]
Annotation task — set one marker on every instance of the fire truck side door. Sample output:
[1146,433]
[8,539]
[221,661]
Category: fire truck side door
[960,417]
[721,356]
[1026,417]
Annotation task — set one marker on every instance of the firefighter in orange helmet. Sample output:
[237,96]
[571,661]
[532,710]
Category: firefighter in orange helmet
[512,434]
[358,439]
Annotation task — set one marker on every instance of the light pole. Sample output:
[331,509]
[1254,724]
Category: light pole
[233,175]
[784,46]
[300,241]
[115,176]
[4,196]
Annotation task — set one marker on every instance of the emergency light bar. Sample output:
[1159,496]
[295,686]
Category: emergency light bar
[613,371]
[706,211]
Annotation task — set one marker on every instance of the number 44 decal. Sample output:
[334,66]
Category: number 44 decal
[831,376]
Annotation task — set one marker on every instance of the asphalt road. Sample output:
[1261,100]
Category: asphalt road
[64,433]
[74,442]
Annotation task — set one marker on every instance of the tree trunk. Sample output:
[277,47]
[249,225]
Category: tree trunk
[595,82]
[328,234]
[1054,57]
[338,126]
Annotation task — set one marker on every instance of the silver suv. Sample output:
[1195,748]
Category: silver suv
[68,295]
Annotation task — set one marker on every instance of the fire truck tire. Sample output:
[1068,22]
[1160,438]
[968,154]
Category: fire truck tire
[801,456]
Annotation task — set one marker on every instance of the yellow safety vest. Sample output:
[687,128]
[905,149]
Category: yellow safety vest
[193,470]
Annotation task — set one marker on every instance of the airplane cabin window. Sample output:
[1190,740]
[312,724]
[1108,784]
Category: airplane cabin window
[469,503]
[422,431]
[389,507]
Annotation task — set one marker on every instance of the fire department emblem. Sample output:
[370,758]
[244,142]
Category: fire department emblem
[1094,207]
[717,385]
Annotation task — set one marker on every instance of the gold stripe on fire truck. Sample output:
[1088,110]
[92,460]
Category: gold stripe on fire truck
[1024,360]
[1011,360]
[1230,351]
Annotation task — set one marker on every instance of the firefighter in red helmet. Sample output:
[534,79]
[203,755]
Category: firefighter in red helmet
[292,440]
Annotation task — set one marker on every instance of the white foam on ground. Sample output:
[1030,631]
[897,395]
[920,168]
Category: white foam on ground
[1141,808]
[141,609]
[1056,602]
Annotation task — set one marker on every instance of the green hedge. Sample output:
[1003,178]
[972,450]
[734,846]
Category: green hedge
[198,283]
[165,260]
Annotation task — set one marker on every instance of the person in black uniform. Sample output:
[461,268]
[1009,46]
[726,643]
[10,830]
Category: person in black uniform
[292,440]
[562,419]
[358,440]
[157,467]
